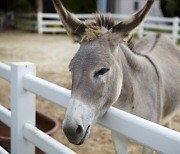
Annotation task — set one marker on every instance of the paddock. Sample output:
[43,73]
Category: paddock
[51,54]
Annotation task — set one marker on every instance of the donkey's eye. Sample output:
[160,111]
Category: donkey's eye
[102,71]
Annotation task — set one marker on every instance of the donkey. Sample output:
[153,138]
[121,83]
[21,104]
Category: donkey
[108,69]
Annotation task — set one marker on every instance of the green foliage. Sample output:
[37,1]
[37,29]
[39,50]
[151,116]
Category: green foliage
[23,6]
[170,8]
[80,6]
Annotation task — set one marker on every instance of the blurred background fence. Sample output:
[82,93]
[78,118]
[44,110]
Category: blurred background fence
[26,21]
[50,23]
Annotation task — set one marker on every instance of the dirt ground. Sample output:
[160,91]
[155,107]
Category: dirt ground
[52,54]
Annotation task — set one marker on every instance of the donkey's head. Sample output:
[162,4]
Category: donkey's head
[96,68]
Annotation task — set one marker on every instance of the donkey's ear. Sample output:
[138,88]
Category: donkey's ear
[74,27]
[125,27]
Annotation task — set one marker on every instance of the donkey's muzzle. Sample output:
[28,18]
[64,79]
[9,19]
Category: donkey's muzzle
[77,122]
[76,133]
[85,135]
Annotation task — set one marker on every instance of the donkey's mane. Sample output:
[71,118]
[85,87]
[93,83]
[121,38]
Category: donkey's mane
[105,21]
[95,29]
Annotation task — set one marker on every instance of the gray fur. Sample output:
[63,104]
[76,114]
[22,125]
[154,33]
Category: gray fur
[156,86]
[108,69]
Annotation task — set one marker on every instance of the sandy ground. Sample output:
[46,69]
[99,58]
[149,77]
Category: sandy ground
[52,54]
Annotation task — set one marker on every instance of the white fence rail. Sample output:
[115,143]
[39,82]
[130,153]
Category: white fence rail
[24,135]
[48,22]
[21,118]
[2,151]
[26,21]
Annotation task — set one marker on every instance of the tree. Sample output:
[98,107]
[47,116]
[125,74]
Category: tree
[24,5]
[80,6]
[170,8]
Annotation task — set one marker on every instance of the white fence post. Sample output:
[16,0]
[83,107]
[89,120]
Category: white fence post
[39,22]
[22,108]
[141,30]
[175,29]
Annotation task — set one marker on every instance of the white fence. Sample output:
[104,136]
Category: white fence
[26,21]
[24,135]
[49,22]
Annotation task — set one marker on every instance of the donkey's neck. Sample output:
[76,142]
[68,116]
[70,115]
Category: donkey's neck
[133,60]
[131,64]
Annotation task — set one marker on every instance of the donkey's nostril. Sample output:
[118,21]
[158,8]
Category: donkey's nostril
[79,129]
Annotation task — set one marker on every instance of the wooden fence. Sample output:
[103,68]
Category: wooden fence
[50,23]
[21,119]
[26,21]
